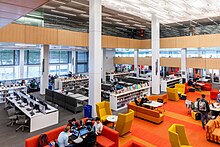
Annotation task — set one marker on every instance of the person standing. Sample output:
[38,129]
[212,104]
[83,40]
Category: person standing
[203,108]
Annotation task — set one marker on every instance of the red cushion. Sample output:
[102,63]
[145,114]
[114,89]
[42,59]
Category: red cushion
[103,141]
[133,143]
[214,94]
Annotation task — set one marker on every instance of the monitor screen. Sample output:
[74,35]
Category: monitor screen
[36,106]
[31,104]
[25,100]
[83,131]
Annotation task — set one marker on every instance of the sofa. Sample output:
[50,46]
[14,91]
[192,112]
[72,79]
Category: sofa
[180,88]
[206,86]
[187,87]
[172,94]
[156,97]
[213,130]
[145,113]
[108,138]
[124,122]
[133,143]
[214,94]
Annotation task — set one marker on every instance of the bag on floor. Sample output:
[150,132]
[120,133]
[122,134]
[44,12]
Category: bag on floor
[198,116]
[43,140]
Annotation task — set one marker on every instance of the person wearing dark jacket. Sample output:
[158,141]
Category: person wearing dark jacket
[90,138]
[144,100]
[204,109]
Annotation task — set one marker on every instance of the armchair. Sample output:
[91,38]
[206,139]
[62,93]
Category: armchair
[172,94]
[177,136]
[103,110]
[124,122]
[180,88]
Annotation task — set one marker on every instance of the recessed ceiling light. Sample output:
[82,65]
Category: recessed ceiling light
[56,1]
[84,15]
[78,3]
[120,23]
[47,7]
[71,9]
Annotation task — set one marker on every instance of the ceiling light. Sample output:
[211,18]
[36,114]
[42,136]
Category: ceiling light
[113,19]
[56,1]
[132,21]
[84,15]
[47,7]
[55,16]
[78,3]
[125,16]
[63,13]
[71,9]
[120,23]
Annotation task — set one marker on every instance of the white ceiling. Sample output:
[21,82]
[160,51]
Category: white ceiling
[168,11]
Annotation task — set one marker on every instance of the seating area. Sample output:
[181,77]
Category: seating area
[172,94]
[147,114]
[103,110]
[213,130]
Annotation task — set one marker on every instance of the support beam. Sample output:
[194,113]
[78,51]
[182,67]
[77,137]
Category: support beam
[136,67]
[21,63]
[183,64]
[95,52]
[104,66]
[155,42]
[44,69]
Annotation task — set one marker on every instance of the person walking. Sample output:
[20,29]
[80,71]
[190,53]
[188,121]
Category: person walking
[204,109]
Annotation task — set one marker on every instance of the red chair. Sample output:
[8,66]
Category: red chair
[214,94]
[133,144]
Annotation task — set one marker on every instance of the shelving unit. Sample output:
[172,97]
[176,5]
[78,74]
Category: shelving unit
[71,83]
[120,101]
[169,83]
[6,91]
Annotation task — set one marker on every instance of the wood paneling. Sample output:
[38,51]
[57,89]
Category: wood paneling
[37,35]
[124,60]
[196,63]
[188,41]
[145,44]
[168,43]
[135,43]
[170,62]
[210,40]
[212,63]
[123,42]
[13,33]
[144,61]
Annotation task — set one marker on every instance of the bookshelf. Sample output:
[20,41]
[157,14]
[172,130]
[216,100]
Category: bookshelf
[169,83]
[121,98]
[70,83]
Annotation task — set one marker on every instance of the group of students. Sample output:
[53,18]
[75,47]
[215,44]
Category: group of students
[73,124]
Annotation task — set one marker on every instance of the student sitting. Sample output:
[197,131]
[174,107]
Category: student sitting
[98,126]
[73,123]
[196,105]
[90,138]
[144,100]
[63,138]
[136,102]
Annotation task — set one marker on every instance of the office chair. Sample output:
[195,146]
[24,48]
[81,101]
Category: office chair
[12,116]
[22,121]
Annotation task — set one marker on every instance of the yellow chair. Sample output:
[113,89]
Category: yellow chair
[103,110]
[124,122]
[177,136]
[172,94]
[181,88]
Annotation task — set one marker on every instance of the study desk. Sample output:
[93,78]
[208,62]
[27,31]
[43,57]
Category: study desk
[154,104]
[39,120]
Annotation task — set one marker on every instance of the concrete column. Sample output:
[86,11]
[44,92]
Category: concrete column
[95,52]
[183,63]
[44,68]
[136,67]
[74,61]
[104,66]
[21,63]
[155,43]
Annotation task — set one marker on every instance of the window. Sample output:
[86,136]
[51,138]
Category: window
[32,57]
[62,57]
[32,71]
[9,57]
[81,61]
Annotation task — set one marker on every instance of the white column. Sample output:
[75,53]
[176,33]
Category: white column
[95,52]
[155,43]
[136,67]
[183,63]
[104,66]
[74,61]
[44,68]
[21,63]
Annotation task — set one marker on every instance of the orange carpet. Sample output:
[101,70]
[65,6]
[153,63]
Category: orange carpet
[153,135]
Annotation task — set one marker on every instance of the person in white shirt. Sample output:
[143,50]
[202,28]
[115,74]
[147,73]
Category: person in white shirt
[63,138]
[98,126]
[196,105]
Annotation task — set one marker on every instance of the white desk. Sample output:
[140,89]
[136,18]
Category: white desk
[153,104]
[216,107]
[76,95]
[83,98]
[38,120]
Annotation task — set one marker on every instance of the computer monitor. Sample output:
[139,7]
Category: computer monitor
[25,100]
[37,107]
[31,104]
[83,131]
[44,104]
[23,92]
[32,97]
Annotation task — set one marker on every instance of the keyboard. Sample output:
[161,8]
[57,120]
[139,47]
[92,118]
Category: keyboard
[28,109]
[31,113]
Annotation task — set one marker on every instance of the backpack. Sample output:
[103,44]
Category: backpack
[202,106]
[43,140]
